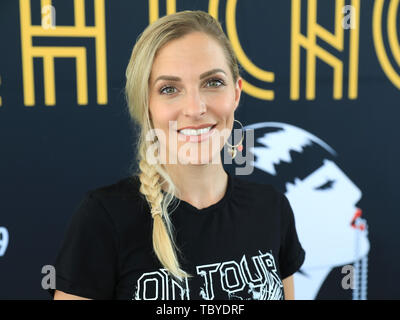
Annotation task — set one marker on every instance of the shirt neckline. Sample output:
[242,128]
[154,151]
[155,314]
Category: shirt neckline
[186,206]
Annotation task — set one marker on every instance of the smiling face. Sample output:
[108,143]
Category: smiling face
[191,85]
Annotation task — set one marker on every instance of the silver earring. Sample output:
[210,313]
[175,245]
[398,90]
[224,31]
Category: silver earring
[232,150]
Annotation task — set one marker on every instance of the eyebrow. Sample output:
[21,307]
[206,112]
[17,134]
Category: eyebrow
[203,75]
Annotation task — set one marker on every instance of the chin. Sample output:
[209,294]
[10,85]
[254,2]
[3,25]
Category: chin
[198,160]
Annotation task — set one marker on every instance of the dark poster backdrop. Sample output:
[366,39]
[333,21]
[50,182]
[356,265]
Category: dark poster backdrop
[56,148]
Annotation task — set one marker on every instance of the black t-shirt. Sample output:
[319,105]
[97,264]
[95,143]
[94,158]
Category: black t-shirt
[238,248]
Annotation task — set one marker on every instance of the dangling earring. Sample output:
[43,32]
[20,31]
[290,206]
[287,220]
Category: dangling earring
[232,150]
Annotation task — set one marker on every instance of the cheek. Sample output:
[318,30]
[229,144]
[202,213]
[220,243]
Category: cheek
[161,115]
[222,106]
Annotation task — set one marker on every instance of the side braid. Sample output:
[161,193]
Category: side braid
[163,243]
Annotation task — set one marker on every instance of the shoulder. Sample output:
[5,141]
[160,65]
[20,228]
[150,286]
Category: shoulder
[245,187]
[119,199]
[260,198]
[126,187]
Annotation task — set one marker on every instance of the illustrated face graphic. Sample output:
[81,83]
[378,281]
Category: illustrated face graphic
[196,88]
[324,203]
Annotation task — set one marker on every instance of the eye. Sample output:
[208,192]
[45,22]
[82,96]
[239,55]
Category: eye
[327,185]
[216,81]
[162,90]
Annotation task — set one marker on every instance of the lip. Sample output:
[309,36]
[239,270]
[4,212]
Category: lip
[357,215]
[199,127]
[199,138]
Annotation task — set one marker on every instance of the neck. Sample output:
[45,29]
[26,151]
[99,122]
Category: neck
[199,185]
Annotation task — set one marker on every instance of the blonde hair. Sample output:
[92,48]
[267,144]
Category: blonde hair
[153,176]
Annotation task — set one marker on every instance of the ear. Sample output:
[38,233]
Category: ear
[238,91]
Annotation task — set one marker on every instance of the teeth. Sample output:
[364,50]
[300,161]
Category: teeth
[192,132]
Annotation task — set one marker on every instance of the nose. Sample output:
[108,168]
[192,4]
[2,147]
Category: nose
[194,106]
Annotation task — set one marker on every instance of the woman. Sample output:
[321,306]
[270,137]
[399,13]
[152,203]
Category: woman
[226,238]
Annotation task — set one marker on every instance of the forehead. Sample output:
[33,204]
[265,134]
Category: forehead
[194,53]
